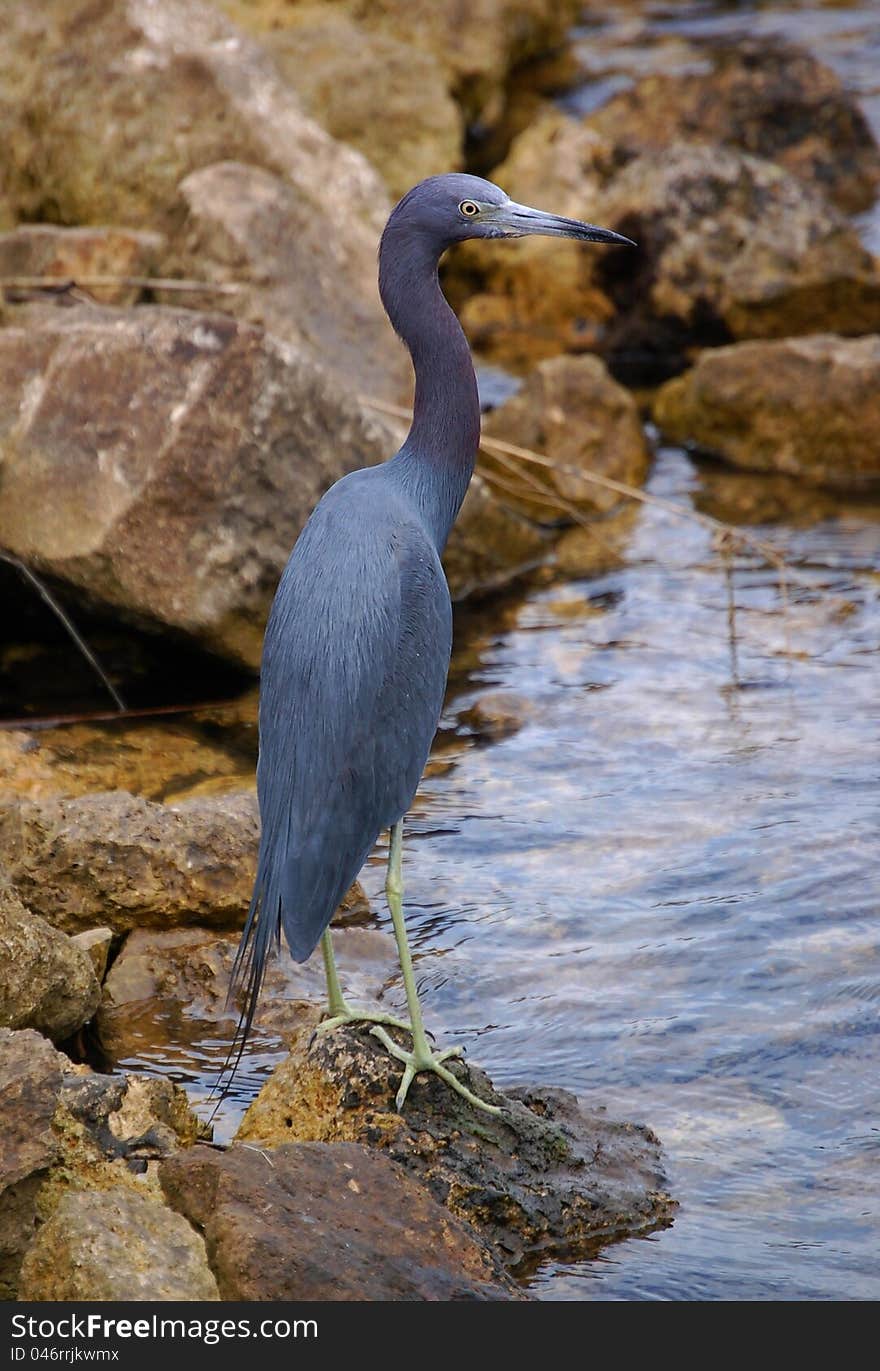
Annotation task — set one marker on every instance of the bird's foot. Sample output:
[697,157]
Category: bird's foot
[344,1015]
[426,1060]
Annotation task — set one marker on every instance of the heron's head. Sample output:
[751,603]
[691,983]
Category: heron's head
[448,209]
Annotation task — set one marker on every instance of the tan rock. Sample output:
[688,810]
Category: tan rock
[573,413]
[30,1082]
[311,1221]
[490,544]
[96,943]
[164,461]
[116,1245]
[538,297]
[130,862]
[765,97]
[246,227]
[387,98]
[497,714]
[44,250]
[809,407]
[47,982]
[730,245]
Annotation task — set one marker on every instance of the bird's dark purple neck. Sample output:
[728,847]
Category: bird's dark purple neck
[436,462]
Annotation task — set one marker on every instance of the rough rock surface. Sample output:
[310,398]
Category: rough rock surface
[490,543]
[80,84]
[66,1128]
[96,943]
[116,1245]
[571,411]
[30,1082]
[244,226]
[162,983]
[129,862]
[806,406]
[730,246]
[344,73]
[765,97]
[179,496]
[47,982]
[547,1177]
[476,45]
[521,301]
[312,1221]
[75,253]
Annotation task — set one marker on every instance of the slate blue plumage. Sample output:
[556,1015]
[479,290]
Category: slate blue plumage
[358,640]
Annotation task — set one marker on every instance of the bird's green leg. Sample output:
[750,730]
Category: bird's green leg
[337,1010]
[422,1058]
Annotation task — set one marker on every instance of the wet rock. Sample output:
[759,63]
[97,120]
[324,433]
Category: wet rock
[30,1082]
[806,406]
[535,298]
[47,982]
[76,253]
[116,1245]
[344,73]
[729,246]
[548,1177]
[497,714]
[765,97]
[129,862]
[162,984]
[573,413]
[216,441]
[310,1221]
[96,943]
[245,226]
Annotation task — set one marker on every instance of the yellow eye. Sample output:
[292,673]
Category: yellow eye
[468,209]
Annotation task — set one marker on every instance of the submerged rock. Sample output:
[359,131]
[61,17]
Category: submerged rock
[809,407]
[497,714]
[763,96]
[74,253]
[311,1221]
[215,441]
[546,1178]
[116,1245]
[47,982]
[163,986]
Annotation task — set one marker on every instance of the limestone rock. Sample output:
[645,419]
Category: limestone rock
[497,714]
[164,982]
[47,982]
[116,1245]
[131,862]
[763,96]
[311,1221]
[96,943]
[490,543]
[572,412]
[164,461]
[344,73]
[729,246]
[521,301]
[548,1176]
[30,1082]
[75,253]
[809,407]
[245,226]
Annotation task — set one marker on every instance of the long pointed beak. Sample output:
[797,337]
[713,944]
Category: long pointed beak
[516,221]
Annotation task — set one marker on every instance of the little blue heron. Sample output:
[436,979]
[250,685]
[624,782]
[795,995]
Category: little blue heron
[358,641]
